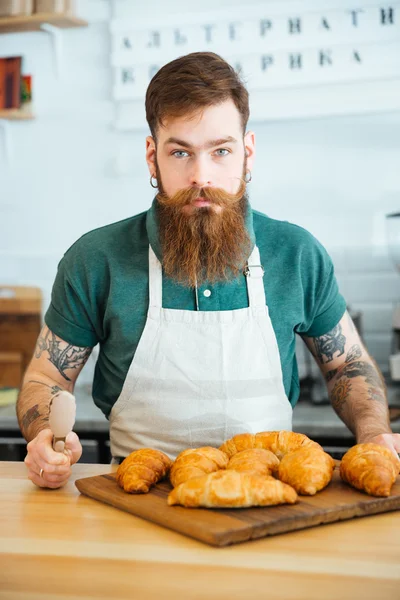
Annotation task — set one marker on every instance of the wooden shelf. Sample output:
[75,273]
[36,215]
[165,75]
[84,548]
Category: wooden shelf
[34,22]
[16,114]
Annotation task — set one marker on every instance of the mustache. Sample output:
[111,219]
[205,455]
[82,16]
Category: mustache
[214,195]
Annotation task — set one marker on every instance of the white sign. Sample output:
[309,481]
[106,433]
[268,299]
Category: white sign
[281,51]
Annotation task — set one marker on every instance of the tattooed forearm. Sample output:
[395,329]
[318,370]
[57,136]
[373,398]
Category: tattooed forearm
[36,412]
[30,416]
[340,394]
[354,353]
[358,396]
[363,369]
[328,344]
[33,419]
[331,374]
[42,382]
[376,395]
[61,354]
[54,388]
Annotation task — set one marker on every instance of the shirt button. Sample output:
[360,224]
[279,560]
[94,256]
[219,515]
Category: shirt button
[207,293]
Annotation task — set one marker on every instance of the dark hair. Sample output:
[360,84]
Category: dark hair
[190,83]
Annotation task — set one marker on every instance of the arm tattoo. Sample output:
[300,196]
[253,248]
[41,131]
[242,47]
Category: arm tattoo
[340,394]
[330,374]
[54,388]
[362,369]
[329,343]
[30,416]
[41,344]
[354,353]
[38,414]
[70,357]
[341,391]
[376,395]
[35,419]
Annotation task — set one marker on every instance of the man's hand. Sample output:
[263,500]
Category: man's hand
[389,440]
[56,465]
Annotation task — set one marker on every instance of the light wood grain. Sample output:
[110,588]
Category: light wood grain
[20,325]
[34,22]
[16,114]
[25,300]
[10,369]
[59,545]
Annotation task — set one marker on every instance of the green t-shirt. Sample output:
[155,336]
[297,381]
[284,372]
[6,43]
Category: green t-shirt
[100,294]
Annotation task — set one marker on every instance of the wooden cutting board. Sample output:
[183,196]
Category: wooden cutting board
[220,527]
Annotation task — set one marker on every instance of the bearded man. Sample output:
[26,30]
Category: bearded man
[195,303]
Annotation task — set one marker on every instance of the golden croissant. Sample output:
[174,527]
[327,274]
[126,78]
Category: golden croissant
[278,442]
[195,462]
[256,461]
[141,469]
[308,470]
[371,468]
[232,489]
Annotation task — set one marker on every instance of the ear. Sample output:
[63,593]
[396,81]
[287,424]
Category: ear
[151,155]
[250,148]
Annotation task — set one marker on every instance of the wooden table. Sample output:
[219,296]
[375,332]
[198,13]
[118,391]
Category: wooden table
[57,544]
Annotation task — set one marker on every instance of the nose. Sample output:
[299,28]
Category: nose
[200,175]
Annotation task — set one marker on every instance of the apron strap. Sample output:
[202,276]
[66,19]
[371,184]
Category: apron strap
[254,273]
[155,280]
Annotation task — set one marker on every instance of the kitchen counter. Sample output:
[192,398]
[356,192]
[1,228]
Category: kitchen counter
[57,544]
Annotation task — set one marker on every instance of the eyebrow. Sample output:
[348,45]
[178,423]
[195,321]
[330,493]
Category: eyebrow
[209,144]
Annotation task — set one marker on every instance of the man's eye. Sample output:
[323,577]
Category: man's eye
[179,152]
[223,150]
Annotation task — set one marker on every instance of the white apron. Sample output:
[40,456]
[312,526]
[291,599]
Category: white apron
[199,377]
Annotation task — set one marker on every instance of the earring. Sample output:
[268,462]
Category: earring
[247,180]
[151,182]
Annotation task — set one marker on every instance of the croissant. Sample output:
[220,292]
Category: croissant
[256,461]
[141,469]
[371,468]
[308,470]
[231,489]
[278,442]
[195,462]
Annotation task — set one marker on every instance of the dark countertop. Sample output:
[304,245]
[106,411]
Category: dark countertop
[312,419]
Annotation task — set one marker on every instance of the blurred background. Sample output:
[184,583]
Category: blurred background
[324,83]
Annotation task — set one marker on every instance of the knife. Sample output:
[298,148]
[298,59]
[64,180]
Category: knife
[61,418]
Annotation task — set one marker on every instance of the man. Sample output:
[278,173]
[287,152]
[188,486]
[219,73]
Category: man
[196,302]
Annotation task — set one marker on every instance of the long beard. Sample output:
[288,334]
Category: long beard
[205,245]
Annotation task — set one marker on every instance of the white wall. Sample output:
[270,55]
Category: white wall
[337,177]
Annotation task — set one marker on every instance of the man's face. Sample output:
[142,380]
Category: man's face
[202,150]
[200,162]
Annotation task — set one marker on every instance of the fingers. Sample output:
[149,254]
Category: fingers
[396,442]
[73,448]
[47,475]
[390,441]
[47,480]
[47,468]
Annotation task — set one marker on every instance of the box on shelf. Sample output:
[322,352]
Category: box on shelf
[10,369]
[54,6]
[10,82]
[14,8]
[20,325]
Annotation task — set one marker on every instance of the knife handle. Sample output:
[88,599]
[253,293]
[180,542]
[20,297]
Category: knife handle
[58,444]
